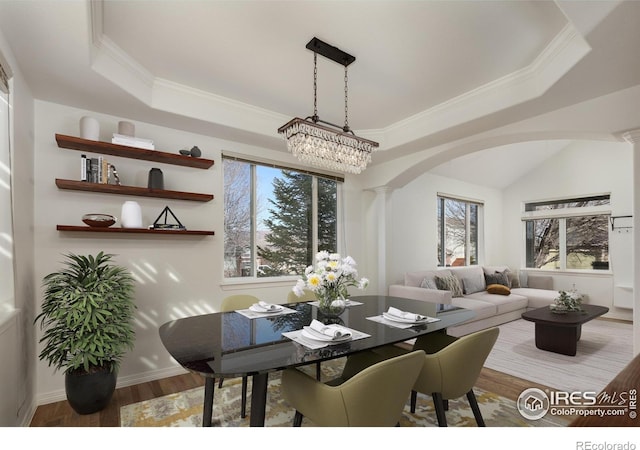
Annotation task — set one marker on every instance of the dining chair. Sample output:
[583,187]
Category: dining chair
[451,367]
[452,371]
[232,303]
[308,296]
[373,397]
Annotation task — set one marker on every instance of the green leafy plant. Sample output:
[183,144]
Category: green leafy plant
[567,301]
[87,314]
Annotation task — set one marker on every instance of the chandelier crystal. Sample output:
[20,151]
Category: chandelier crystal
[329,147]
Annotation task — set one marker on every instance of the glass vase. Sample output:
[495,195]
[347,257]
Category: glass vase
[331,306]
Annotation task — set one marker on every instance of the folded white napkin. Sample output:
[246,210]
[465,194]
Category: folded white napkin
[333,331]
[268,306]
[395,312]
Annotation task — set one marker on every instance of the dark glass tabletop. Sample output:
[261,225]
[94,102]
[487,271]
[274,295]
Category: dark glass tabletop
[229,344]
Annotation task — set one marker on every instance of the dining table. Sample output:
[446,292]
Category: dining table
[255,343]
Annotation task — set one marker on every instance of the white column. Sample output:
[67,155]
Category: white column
[633,137]
[382,194]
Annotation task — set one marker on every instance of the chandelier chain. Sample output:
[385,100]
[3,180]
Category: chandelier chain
[346,100]
[315,87]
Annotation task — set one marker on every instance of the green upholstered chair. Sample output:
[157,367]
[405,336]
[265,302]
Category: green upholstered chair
[232,303]
[375,396]
[451,367]
[452,371]
[308,296]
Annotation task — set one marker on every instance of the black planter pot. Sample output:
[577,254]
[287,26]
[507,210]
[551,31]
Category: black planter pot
[89,392]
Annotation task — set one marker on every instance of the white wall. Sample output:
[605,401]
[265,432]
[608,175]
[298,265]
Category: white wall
[20,348]
[582,168]
[414,227]
[177,276]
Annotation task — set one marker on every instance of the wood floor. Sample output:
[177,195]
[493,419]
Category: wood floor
[60,414]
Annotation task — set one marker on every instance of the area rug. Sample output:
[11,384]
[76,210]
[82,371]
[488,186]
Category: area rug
[604,349]
[184,409]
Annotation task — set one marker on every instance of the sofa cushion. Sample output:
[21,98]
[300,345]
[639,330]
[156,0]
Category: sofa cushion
[537,297]
[496,278]
[416,278]
[429,283]
[449,283]
[499,289]
[471,278]
[503,303]
[482,309]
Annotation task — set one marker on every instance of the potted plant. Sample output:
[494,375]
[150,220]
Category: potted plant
[87,317]
[567,301]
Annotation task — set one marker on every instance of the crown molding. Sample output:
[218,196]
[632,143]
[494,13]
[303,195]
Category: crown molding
[563,52]
[566,49]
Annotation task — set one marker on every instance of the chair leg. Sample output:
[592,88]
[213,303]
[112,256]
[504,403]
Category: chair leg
[297,419]
[414,401]
[439,405]
[243,406]
[446,404]
[318,372]
[220,383]
[475,408]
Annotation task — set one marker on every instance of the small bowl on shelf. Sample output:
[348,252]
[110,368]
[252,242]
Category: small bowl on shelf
[99,220]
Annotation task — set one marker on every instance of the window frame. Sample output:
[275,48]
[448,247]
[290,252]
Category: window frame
[440,199]
[562,214]
[282,279]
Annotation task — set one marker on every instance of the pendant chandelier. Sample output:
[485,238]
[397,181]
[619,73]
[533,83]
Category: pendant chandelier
[323,144]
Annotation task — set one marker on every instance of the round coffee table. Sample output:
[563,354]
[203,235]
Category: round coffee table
[560,333]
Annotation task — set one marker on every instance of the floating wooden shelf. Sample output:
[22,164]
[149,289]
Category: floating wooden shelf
[107,148]
[133,230]
[131,190]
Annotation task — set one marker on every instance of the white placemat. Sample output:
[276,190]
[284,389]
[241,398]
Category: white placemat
[313,344]
[392,323]
[256,315]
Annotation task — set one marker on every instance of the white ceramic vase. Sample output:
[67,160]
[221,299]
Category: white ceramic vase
[131,216]
[126,128]
[89,128]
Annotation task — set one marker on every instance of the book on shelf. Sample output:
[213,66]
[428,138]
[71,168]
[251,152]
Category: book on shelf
[96,170]
[131,141]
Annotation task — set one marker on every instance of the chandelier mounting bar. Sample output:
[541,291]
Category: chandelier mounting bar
[330,52]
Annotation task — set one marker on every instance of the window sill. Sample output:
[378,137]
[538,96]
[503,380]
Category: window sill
[590,273]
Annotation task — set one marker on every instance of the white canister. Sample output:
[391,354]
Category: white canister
[126,128]
[131,216]
[90,128]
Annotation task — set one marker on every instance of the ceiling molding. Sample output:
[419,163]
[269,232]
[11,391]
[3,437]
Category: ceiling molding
[563,52]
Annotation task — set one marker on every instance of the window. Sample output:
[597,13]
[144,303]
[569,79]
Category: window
[458,231]
[570,234]
[276,218]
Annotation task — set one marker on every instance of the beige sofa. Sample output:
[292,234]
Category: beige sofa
[491,309]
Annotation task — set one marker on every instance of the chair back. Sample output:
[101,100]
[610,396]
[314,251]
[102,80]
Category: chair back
[454,370]
[308,296]
[239,301]
[377,396]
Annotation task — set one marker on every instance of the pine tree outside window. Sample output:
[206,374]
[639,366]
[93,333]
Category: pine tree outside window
[276,219]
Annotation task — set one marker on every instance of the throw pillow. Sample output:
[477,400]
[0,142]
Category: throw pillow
[449,283]
[473,284]
[428,283]
[500,289]
[496,278]
[514,279]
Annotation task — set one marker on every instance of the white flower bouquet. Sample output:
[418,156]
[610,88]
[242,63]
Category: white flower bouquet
[330,278]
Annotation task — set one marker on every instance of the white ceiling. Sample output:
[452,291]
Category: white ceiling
[425,71]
